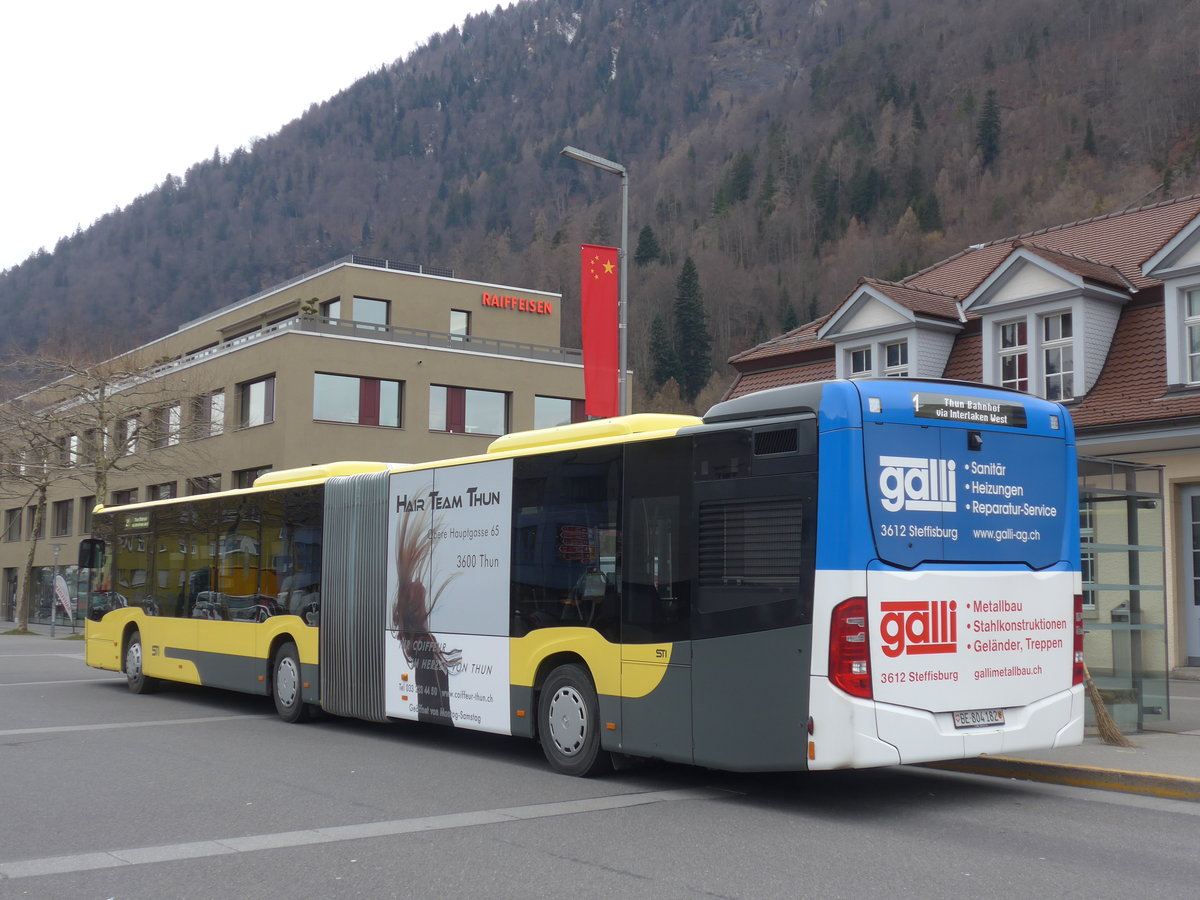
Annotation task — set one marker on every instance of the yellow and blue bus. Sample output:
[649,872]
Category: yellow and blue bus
[833,575]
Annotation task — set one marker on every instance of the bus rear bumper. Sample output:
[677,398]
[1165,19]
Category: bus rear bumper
[915,735]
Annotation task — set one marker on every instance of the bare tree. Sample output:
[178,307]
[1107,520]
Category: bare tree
[31,464]
[68,420]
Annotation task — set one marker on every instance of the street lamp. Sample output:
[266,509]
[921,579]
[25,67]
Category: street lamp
[607,165]
[54,589]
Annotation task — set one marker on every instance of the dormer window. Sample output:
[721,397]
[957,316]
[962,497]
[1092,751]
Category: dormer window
[889,359]
[1058,357]
[1191,325]
[1036,354]
[895,359]
[1014,356]
[860,363]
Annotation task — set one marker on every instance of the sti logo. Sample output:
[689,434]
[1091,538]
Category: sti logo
[917,484]
[918,627]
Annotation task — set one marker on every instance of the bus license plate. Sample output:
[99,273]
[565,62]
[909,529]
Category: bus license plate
[978,718]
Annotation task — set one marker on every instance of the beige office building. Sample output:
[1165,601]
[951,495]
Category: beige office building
[361,359]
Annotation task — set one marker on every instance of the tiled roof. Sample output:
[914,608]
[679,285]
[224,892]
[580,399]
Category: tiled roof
[966,359]
[922,302]
[1122,241]
[760,381]
[802,338]
[1132,386]
[1108,250]
[1079,265]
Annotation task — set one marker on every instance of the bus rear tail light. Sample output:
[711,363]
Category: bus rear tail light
[1077,661]
[849,649]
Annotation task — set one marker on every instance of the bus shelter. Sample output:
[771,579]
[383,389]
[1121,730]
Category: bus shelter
[1124,596]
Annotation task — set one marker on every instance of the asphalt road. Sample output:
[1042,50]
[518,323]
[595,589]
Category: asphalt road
[192,793]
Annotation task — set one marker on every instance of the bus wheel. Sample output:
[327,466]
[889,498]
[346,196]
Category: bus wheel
[139,682]
[285,684]
[569,723]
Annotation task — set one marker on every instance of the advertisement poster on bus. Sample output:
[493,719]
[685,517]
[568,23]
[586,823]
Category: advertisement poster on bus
[449,560]
[992,493]
[947,641]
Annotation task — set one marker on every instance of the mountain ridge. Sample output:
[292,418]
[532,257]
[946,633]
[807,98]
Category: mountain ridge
[787,148]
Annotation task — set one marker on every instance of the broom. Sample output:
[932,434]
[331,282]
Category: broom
[1110,732]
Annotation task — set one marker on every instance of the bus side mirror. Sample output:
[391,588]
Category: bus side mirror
[91,553]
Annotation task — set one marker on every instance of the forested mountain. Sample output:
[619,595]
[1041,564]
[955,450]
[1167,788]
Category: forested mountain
[786,147]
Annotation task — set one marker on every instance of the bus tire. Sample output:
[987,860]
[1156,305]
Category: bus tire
[135,676]
[286,684]
[569,723]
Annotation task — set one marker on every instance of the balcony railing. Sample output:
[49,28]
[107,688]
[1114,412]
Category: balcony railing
[396,334]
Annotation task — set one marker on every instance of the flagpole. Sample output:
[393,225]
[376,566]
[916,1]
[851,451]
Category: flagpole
[607,165]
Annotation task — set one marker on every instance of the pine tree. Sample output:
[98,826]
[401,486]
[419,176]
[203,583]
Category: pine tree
[918,118]
[1089,140]
[929,212]
[648,250]
[987,138]
[693,340]
[790,320]
[663,358]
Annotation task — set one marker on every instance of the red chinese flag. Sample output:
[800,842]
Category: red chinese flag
[600,341]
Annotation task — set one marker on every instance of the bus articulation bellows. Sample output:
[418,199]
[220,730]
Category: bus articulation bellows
[833,575]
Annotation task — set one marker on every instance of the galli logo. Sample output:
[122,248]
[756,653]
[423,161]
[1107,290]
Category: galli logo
[918,484]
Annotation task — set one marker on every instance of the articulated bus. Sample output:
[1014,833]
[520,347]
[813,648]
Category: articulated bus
[833,575]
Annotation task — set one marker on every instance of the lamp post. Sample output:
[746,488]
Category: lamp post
[607,165]
[53,590]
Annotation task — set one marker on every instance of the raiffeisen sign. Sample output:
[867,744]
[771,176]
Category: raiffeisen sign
[518,304]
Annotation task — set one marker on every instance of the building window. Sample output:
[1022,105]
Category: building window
[61,514]
[86,506]
[166,491]
[208,414]
[1014,356]
[1191,325]
[1087,556]
[860,362]
[245,477]
[1058,357]
[68,447]
[12,524]
[204,484]
[168,420]
[460,324]
[895,359]
[357,401]
[256,402]
[128,431]
[551,411]
[123,498]
[467,411]
[360,309]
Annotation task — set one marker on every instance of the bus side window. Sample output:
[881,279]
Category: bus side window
[656,593]
[566,540]
[658,559]
[291,558]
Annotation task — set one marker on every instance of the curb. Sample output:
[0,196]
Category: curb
[1171,787]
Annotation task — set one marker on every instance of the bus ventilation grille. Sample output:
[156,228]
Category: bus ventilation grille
[781,440]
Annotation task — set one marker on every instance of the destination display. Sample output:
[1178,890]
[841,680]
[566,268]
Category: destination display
[978,410]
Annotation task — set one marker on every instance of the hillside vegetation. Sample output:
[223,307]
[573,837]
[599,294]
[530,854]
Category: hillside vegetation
[786,147]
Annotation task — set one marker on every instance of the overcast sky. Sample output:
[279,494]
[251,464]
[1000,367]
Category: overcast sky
[99,101]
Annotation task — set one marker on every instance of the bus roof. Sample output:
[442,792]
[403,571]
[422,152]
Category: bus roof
[636,427]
